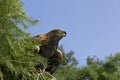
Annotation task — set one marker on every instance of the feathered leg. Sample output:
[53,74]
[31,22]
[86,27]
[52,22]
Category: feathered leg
[54,61]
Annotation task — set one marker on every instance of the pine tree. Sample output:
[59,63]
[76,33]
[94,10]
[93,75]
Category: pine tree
[17,61]
[96,69]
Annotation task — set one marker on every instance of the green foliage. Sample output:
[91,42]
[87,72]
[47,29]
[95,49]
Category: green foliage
[16,54]
[18,60]
[68,67]
[101,70]
[68,58]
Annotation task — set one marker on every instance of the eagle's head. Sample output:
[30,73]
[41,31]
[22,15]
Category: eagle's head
[52,37]
[56,34]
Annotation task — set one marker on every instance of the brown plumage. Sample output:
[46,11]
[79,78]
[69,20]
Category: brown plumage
[49,48]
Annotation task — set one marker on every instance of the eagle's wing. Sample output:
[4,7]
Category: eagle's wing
[41,37]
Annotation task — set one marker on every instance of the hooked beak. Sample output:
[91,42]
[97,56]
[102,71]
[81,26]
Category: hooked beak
[64,33]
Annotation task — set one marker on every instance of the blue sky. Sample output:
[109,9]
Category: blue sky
[93,26]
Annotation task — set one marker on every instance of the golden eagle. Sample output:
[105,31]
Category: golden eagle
[48,48]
